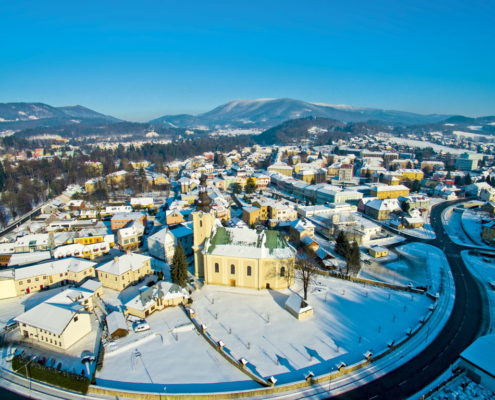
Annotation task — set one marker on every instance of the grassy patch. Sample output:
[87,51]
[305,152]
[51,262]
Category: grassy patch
[50,375]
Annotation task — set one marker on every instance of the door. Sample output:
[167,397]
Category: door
[232,282]
[268,286]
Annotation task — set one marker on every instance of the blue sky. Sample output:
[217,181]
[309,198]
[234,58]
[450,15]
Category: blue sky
[142,59]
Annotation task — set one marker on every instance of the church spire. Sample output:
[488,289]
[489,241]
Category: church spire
[203,203]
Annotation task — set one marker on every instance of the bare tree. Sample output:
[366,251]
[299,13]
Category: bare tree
[306,271]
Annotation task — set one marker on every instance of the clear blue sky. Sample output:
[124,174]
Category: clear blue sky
[142,59]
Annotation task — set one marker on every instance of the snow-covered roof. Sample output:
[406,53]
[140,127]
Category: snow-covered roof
[54,314]
[116,321]
[248,243]
[482,354]
[297,304]
[148,295]
[122,264]
[63,265]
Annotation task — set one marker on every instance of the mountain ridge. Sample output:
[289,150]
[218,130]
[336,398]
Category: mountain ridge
[265,113]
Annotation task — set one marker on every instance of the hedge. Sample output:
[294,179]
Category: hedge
[63,379]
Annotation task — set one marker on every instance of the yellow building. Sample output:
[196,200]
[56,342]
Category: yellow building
[61,321]
[389,192]
[281,168]
[124,271]
[140,164]
[241,257]
[251,215]
[155,298]
[411,174]
[488,232]
[378,251]
[31,279]
[116,178]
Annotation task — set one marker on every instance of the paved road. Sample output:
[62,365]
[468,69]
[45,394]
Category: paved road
[461,329]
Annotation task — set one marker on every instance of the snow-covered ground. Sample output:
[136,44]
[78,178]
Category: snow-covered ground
[423,144]
[349,320]
[471,223]
[463,230]
[179,359]
[419,264]
[483,268]
[425,232]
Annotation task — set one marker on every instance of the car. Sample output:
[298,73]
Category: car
[141,327]
[10,325]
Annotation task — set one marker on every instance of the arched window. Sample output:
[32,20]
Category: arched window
[200,224]
[217,267]
[232,269]
[282,271]
[249,271]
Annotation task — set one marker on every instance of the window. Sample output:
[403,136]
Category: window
[232,269]
[76,318]
[200,224]
[249,271]
[282,271]
[217,267]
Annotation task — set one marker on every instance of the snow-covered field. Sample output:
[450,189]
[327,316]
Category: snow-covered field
[463,230]
[483,268]
[419,264]
[471,223]
[349,320]
[179,359]
[423,144]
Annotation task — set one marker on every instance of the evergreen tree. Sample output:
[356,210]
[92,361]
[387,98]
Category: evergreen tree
[250,186]
[3,176]
[342,245]
[178,268]
[467,179]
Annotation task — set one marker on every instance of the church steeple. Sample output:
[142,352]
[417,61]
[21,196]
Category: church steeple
[203,203]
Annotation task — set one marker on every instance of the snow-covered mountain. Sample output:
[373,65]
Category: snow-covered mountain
[265,113]
[31,115]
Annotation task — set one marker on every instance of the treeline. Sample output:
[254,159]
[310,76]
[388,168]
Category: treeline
[26,183]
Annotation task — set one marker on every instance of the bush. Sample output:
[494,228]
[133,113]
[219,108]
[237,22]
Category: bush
[63,379]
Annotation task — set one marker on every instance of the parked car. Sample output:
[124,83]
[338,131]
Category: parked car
[10,325]
[141,327]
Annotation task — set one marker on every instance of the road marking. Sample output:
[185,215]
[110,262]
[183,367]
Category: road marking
[425,367]
[403,382]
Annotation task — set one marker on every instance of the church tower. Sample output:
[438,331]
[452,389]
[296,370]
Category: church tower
[203,224]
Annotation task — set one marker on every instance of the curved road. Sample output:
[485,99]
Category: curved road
[461,329]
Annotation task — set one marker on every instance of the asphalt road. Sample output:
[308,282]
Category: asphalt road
[460,331]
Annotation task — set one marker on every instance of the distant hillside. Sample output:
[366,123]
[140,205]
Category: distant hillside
[318,130]
[265,113]
[460,119]
[17,116]
[133,129]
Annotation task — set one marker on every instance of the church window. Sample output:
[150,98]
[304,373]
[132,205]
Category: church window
[249,271]
[282,271]
[217,267]
[232,269]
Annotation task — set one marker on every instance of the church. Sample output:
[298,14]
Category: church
[242,257]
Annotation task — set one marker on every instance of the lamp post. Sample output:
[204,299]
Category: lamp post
[27,372]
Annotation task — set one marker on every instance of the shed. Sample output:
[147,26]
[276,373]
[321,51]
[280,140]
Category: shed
[117,325]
